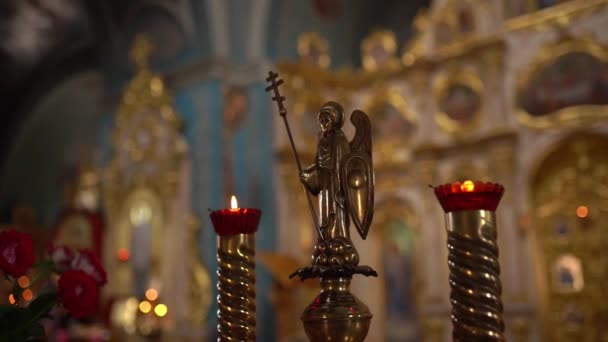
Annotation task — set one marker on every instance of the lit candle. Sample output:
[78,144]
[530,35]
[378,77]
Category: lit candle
[235,220]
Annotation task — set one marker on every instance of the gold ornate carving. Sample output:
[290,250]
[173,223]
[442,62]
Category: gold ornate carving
[571,243]
[394,125]
[314,49]
[149,154]
[565,114]
[549,16]
[458,117]
[454,23]
[415,48]
[378,51]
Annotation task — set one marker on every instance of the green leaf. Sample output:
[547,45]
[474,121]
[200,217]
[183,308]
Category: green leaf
[10,324]
[42,304]
[35,332]
[6,309]
[44,264]
[24,323]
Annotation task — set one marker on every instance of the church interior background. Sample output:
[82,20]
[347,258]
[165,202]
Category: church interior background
[123,122]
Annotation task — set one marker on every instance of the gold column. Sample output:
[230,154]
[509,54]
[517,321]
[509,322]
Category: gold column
[236,287]
[473,260]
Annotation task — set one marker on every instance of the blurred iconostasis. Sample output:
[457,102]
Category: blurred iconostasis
[125,123]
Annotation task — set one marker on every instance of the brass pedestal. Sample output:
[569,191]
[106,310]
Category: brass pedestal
[236,288]
[336,314]
[474,276]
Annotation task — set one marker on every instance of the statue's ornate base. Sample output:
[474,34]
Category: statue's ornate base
[336,314]
[342,271]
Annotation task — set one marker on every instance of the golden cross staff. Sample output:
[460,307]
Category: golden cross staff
[278,98]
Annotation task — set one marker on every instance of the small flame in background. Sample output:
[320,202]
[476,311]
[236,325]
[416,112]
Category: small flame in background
[233,203]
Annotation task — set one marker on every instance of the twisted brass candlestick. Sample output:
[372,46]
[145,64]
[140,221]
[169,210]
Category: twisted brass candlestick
[236,272]
[236,288]
[473,260]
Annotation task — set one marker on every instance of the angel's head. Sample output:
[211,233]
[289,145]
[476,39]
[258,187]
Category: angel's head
[331,116]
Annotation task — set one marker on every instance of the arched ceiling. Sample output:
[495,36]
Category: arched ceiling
[43,42]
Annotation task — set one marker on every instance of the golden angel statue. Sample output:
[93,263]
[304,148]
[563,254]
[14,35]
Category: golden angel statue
[342,178]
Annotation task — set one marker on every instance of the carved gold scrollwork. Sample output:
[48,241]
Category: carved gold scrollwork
[566,11]
[314,49]
[141,185]
[570,234]
[395,124]
[564,85]
[379,51]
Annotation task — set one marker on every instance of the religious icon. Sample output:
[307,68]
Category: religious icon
[236,106]
[568,274]
[398,262]
[460,103]
[573,79]
[392,122]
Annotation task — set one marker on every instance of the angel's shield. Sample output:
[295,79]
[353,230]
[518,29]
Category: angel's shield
[357,177]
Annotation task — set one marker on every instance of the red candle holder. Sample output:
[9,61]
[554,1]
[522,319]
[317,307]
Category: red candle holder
[469,195]
[236,221]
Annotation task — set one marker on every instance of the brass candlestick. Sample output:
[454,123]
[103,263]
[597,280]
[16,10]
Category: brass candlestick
[236,273]
[473,259]
[342,177]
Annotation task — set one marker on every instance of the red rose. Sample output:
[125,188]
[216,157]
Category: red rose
[16,252]
[78,292]
[61,256]
[88,262]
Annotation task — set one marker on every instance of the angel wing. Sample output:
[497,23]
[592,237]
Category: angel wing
[358,174]
[362,141]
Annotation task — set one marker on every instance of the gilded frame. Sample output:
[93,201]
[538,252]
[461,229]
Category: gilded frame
[126,183]
[388,41]
[391,96]
[313,40]
[563,165]
[573,115]
[443,83]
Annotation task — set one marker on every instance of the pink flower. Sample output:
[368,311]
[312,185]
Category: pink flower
[88,262]
[61,256]
[16,252]
[78,292]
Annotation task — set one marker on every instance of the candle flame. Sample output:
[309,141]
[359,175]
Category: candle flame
[233,203]
[467,186]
